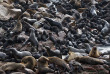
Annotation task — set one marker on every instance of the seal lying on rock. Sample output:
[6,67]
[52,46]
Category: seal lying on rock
[76,50]
[89,60]
[53,23]
[12,66]
[19,54]
[59,62]
[29,62]
[43,65]
[53,52]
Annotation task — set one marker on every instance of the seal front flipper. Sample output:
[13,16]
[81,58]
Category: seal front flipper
[25,42]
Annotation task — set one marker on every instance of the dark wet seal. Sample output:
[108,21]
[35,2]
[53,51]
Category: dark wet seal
[75,66]
[33,6]
[43,65]
[75,49]
[29,62]
[28,26]
[36,55]
[19,54]
[3,56]
[53,23]
[7,43]
[44,36]
[106,27]
[44,1]
[32,39]
[52,38]
[53,52]
[19,39]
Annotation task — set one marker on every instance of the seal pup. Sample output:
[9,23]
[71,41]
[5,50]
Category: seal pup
[94,52]
[43,65]
[59,62]
[89,60]
[53,52]
[32,39]
[19,54]
[29,62]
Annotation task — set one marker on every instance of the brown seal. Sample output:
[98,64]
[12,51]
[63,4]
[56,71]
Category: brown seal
[71,56]
[12,66]
[59,62]
[29,62]
[17,28]
[89,60]
[43,65]
[94,53]
[53,52]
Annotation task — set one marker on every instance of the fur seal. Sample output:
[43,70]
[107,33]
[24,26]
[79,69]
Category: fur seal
[94,52]
[87,47]
[59,62]
[75,66]
[31,21]
[19,54]
[55,29]
[19,1]
[53,23]
[76,3]
[52,38]
[106,27]
[89,60]
[17,28]
[44,36]
[29,62]
[76,50]
[12,66]
[43,65]
[93,10]
[53,52]
[32,39]
[71,56]
[17,73]
[2,56]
